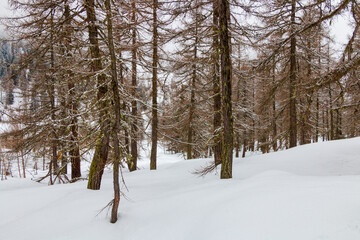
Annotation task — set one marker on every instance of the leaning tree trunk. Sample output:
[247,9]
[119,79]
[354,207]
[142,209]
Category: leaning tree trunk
[117,107]
[102,142]
[227,143]
[154,122]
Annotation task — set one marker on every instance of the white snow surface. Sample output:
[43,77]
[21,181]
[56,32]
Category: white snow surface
[305,193]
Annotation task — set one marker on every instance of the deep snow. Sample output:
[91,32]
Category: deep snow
[308,192]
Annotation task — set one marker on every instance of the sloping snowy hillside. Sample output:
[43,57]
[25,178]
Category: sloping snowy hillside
[309,192]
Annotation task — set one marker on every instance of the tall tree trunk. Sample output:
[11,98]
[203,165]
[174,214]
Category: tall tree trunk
[317,124]
[305,128]
[251,139]
[117,108]
[245,118]
[53,163]
[102,143]
[74,150]
[63,128]
[216,85]
[192,95]
[292,84]
[191,112]
[238,100]
[154,123]
[134,127]
[274,127]
[227,145]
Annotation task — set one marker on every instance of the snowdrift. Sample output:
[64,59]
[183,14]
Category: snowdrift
[308,192]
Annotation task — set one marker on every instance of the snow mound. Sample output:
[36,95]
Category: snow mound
[305,193]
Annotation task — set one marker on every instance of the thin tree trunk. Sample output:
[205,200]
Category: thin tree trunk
[238,100]
[117,107]
[126,134]
[237,147]
[23,163]
[191,113]
[274,127]
[1,171]
[292,84]
[326,124]
[53,163]
[74,150]
[154,123]
[305,129]
[192,97]
[18,163]
[44,163]
[124,108]
[63,132]
[216,85]
[4,168]
[227,146]
[331,133]
[317,118]
[317,124]
[134,127]
[244,148]
[251,139]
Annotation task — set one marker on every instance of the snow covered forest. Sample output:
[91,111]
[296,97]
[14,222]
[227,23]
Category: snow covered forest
[158,102]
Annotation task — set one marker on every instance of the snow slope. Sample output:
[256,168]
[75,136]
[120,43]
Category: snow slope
[308,192]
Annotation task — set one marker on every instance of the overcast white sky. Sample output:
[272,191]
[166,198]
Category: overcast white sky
[4,9]
[4,12]
[341,29]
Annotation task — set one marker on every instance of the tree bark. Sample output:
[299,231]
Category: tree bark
[74,150]
[23,163]
[274,126]
[117,108]
[216,85]
[134,128]
[102,143]
[292,84]
[227,146]
[331,132]
[154,123]
[192,95]
[53,163]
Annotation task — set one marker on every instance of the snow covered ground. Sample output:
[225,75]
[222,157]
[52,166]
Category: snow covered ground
[305,193]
